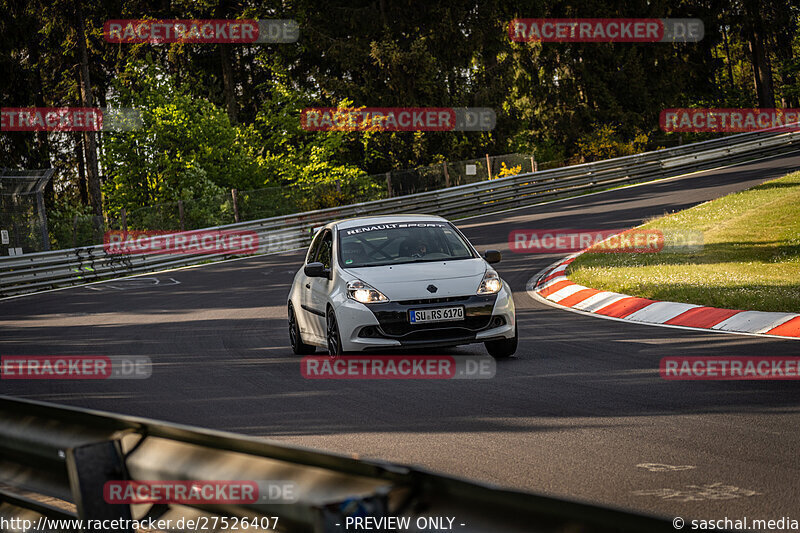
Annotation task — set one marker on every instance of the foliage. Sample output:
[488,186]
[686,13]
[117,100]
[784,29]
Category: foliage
[309,163]
[508,171]
[205,132]
[186,148]
[64,231]
[603,142]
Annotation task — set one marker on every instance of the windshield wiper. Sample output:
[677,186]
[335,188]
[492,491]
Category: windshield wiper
[418,260]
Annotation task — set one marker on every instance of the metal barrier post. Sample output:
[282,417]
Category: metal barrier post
[90,467]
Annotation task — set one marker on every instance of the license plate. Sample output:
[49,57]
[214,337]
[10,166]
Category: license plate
[443,314]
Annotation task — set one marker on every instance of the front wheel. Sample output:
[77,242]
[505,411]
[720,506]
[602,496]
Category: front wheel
[332,334]
[298,346]
[504,347]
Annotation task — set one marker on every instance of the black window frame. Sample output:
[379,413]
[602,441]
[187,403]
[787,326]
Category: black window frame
[313,248]
[323,234]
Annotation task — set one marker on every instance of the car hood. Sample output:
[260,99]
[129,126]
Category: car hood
[411,281]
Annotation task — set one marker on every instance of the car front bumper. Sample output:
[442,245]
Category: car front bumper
[383,326]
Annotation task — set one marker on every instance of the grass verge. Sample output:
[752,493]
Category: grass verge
[750,259]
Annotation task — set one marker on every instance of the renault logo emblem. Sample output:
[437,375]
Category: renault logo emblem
[432,288]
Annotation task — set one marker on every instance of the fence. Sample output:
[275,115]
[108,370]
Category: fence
[79,265]
[454,173]
[235,206]
[191,214]
[23,220]
[55,461]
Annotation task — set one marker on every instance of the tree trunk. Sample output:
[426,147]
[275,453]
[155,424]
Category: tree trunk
[42,138]
[225,9]
[786,29]
[82,189]
[227,81]
[89,137]
[728,56]
[762,70]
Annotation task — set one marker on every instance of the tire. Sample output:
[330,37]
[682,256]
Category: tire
[332,335]
[503,348]
[298,346]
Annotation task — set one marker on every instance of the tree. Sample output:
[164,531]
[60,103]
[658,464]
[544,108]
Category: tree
[87,100]
[187,147]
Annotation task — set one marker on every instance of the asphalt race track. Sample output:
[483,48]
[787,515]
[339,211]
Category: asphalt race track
[580,412]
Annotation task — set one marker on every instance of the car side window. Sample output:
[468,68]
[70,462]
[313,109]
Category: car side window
[455,244]
[325,253]
[312,250]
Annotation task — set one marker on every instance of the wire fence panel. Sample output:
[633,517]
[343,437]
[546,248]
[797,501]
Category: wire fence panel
[23,220]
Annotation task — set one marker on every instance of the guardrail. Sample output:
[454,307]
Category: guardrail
[55,461]
[37,271]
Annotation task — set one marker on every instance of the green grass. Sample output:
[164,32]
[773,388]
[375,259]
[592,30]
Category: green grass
[750,259]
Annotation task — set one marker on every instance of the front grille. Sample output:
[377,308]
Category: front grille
[425,301]
[439,334]
[393,316]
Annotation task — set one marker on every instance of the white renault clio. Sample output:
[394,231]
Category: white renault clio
[400,281]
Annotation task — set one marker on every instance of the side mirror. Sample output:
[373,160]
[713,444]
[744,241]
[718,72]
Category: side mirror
[315,270]
[492,256]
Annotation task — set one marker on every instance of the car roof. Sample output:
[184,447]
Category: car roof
[383,219]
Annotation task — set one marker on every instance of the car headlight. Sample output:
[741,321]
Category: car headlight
[361,292]
[490,284]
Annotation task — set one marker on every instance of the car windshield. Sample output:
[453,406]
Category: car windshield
[394,243]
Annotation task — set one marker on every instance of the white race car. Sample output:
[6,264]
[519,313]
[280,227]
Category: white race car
[400,281]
